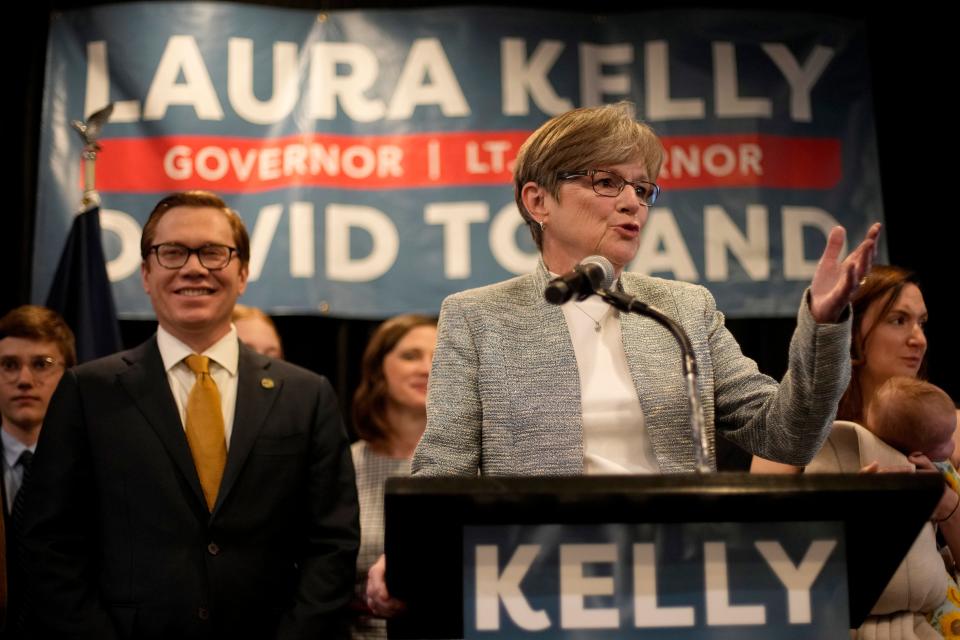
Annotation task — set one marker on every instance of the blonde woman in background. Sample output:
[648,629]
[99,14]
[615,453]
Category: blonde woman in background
[256,330]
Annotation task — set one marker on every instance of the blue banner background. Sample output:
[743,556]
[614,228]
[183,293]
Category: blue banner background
[136,36]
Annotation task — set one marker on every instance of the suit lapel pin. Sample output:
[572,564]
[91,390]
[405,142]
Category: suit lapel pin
[267,383]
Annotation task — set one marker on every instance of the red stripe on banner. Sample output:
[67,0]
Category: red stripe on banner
[695,162]
[316,160]
[231,165]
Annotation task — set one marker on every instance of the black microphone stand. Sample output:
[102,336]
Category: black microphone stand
[629,304]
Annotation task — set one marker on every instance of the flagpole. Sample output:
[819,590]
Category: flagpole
[89,132]
[80,291]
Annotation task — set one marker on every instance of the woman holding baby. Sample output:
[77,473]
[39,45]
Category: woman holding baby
[886,418]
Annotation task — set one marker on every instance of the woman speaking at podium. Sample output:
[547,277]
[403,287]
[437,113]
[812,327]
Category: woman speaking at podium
[523,387]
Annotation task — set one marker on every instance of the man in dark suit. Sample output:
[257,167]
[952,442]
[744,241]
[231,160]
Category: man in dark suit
[36,345]
[191,488]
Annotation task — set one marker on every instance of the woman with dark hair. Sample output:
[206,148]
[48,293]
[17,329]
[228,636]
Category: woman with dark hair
[888,342]
[888,338]
[389,415]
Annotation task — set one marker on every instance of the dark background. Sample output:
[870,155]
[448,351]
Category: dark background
[913,69]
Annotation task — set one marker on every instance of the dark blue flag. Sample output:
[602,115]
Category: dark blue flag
[81,290]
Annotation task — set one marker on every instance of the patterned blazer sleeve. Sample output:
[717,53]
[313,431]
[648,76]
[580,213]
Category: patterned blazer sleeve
[786,422]
[452,441]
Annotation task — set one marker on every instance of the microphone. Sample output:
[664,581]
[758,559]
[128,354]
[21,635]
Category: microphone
[593,273]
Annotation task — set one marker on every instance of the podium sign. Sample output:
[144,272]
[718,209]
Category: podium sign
[694,556]
[656,581]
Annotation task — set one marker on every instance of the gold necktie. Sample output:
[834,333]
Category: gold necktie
[205,433]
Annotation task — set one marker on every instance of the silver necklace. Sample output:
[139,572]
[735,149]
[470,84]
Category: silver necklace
[596,321]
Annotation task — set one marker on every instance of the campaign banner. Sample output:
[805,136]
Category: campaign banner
[656,581]
[370,152]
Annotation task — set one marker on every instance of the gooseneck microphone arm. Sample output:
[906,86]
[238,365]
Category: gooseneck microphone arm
[629,304]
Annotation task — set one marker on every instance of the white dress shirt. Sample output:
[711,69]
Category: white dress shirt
[615,438]
[224,363]
[12,472]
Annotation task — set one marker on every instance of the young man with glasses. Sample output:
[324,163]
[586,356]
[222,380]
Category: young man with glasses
[36,345]
[191,487]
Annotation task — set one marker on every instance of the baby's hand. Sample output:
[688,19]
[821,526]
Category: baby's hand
[922,462]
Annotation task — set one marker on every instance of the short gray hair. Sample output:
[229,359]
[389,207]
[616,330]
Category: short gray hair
[583,139]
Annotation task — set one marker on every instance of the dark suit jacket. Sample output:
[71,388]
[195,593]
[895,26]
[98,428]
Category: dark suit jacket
[7,561]
[11,569]
[118,539]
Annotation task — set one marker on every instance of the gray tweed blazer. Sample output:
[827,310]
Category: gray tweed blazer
[505,391]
